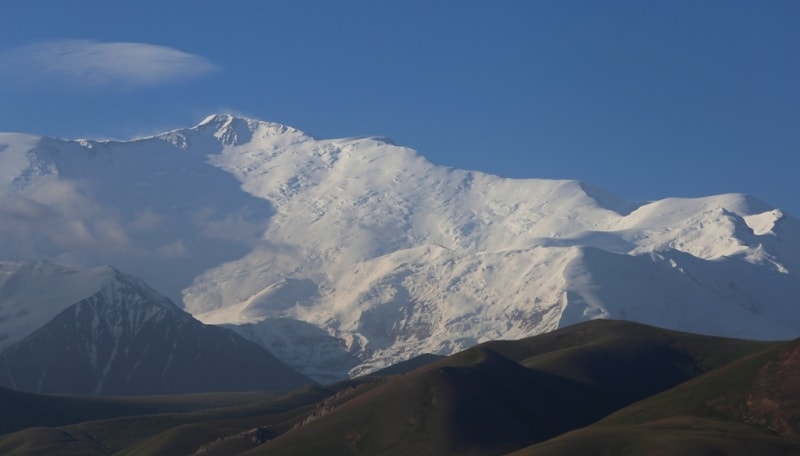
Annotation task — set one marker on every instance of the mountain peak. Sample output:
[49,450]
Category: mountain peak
[127,339]
[233,130]
[215,119]
[53,288]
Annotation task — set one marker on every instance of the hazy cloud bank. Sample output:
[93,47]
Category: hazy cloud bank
[98,64]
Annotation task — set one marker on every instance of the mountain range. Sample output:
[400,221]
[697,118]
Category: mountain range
[343,256]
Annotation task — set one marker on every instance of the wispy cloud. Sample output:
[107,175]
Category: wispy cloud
[99,64]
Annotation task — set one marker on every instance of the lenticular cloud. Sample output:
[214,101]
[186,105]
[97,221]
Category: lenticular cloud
[101,64]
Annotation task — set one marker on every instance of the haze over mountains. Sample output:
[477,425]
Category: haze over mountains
[346,255]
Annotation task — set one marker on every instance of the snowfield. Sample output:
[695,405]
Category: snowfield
[342,256]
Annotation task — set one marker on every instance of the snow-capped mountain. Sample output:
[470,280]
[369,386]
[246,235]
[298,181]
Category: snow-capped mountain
[345,255]
[125,339]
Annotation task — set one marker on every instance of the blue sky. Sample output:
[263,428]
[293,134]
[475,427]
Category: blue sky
[647,99]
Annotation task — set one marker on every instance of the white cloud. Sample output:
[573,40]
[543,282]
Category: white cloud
[95,64]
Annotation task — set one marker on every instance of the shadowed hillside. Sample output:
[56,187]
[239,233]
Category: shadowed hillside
[751,406]
[497,396]
[568,392]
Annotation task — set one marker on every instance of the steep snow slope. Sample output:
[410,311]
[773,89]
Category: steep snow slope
[345,255]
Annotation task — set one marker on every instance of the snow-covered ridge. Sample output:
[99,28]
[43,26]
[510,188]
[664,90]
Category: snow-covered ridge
[343,255]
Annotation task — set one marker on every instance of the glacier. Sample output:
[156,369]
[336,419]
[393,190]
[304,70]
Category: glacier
[342,256]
